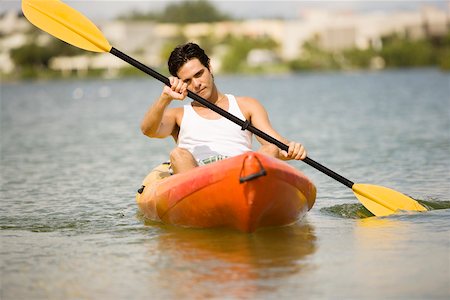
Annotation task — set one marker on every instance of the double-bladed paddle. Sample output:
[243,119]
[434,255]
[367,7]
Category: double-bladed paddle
[67,24]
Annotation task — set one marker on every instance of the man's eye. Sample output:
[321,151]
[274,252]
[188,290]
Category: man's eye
[199,74]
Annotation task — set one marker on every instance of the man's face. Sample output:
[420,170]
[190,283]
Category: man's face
[198,78]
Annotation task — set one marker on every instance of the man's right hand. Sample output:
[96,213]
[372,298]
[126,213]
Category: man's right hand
[176,91]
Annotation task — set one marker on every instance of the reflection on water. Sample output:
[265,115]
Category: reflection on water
[403,254]
[379,223]
[235,264]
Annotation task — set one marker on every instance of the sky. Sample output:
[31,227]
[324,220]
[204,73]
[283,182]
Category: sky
[108,9]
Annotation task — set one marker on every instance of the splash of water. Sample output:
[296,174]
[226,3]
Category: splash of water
[358,211]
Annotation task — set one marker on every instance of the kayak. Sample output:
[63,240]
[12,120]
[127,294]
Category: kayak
[245,192]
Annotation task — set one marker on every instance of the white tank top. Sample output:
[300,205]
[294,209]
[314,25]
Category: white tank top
[205,138]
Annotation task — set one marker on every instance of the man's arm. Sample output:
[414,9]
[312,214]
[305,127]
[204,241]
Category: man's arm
[160,122]
[257,114]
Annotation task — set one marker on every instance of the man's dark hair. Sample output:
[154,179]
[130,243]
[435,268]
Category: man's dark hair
[183,53]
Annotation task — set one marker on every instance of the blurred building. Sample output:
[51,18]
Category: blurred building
[333,31]
[13,28]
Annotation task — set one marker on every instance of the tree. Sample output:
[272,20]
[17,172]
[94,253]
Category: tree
[191,11]
[31,55]
[315,58]
[32,59]
[239,48]
[404,52]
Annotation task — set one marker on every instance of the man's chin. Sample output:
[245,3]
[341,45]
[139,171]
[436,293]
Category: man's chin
[204,93]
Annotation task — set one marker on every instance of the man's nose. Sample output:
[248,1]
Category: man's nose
[196,84]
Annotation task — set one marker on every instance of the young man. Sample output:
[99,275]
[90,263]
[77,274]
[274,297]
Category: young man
[202,135]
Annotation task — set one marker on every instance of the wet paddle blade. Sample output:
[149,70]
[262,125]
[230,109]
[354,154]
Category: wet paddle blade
[65,23]
[382,201]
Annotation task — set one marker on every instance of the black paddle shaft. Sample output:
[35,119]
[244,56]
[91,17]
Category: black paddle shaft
[245,125]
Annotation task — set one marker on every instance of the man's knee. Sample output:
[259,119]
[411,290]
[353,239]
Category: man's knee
[181,160]
[180,154]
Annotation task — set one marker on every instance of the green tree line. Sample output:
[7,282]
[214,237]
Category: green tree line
[32,59]
[191,11]
[396,52]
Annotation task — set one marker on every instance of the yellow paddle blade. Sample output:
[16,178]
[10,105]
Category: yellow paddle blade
[382,201]
[65,23]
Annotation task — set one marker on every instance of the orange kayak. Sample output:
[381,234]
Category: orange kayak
[245,192]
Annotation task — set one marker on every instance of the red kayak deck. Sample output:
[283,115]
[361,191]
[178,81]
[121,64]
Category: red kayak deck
[245,192]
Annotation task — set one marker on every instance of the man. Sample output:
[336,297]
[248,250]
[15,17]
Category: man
[202,135]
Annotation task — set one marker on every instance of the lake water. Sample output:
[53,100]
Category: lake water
[72,158]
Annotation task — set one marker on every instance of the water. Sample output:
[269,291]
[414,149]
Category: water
[72,157]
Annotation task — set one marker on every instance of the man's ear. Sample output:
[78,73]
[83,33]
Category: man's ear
[210,70]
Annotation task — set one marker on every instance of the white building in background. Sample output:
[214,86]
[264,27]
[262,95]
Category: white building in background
[144,41]
[12,35]
[340,30]
[81,64]
[11,22]
[334,31]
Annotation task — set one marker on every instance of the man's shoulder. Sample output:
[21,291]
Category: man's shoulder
[175,110]
[175,113]
[245,100]
[249,106]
